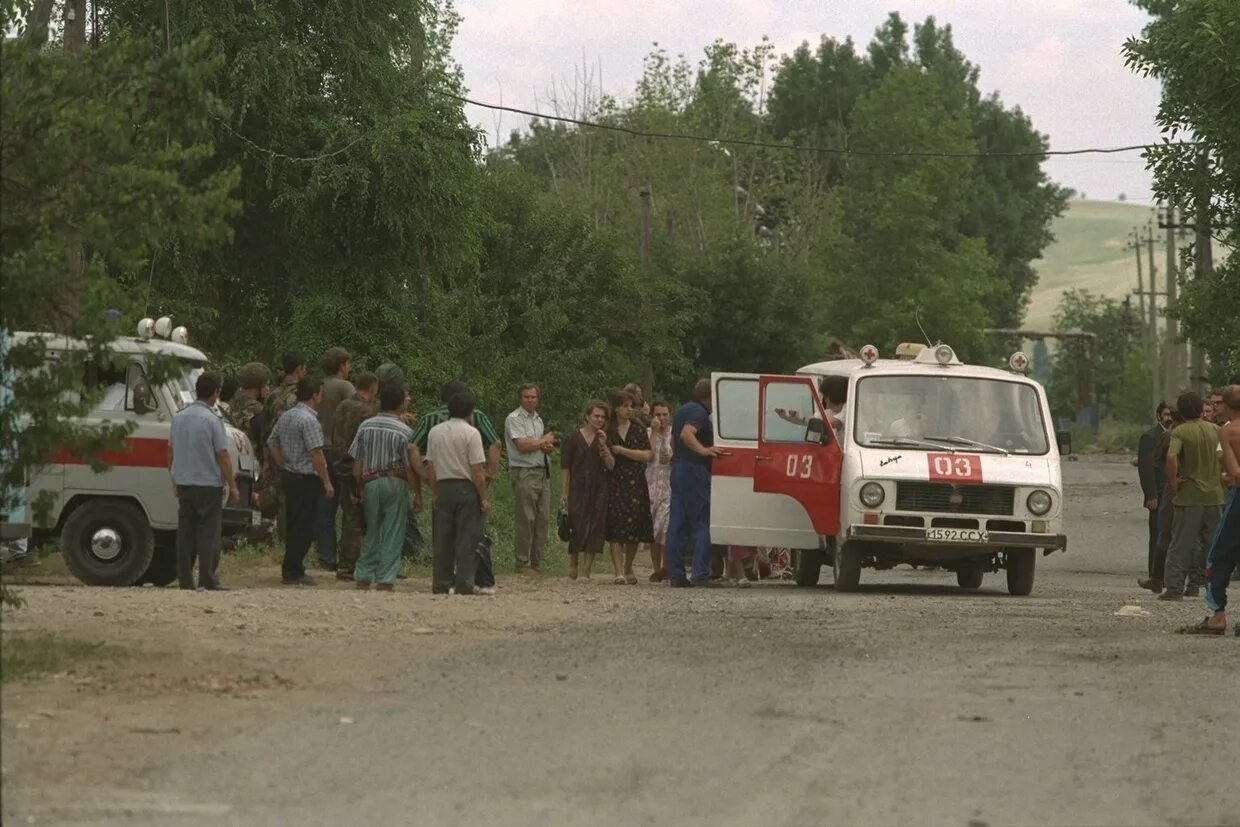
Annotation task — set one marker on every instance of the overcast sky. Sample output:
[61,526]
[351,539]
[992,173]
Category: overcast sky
[1059,60]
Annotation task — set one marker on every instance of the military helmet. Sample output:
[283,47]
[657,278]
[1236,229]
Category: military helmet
[253,375]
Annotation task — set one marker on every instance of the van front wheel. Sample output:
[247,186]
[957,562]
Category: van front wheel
[847,567]
[107,542]
[1020,569]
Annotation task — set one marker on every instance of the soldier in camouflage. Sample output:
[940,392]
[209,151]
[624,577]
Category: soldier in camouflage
[348,417]
[253,380]
[278,401]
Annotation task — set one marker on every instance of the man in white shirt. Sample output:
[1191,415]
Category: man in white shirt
[456,466]
[528,446]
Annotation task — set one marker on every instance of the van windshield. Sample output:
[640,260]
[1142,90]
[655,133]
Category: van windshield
[949,412]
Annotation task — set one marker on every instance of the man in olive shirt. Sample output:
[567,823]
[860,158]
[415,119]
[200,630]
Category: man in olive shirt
[349,416]
[336,389]
[1195,475]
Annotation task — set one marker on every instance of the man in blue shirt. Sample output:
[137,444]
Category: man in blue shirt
[693,449]
[201,470]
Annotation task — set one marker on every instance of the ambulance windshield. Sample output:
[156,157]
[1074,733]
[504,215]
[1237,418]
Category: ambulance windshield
[949,412]
[183,384]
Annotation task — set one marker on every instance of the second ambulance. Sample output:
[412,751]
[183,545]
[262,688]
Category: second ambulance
[937,464]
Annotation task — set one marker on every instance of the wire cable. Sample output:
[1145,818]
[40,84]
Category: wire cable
[872,153]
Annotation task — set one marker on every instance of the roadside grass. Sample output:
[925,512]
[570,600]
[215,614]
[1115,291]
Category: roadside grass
[1112,438]
[25,656]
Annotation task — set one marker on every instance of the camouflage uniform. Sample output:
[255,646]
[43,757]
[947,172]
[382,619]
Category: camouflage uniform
[350,414]
[280,400]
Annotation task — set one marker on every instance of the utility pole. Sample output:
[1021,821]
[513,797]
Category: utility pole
[1134,243]
[1156,383]
[1205,250]
[75,261]
[1175,374]
[75,25]
[643,261]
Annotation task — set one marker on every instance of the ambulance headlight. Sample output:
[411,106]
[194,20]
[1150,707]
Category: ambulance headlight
[872,495]
[943,355]
[1039,502]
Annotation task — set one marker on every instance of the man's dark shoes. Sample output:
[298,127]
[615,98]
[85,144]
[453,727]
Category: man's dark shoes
[304,580]
[1151,584]
[327,566]
[1192,591]
[1171,594]
[680,584]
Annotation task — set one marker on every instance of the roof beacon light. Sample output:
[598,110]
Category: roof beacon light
[869,355]
[1019,362]
[180,335]
[163,327]
[146,328]
[943,355]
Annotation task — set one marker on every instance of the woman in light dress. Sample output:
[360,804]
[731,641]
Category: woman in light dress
[659,482]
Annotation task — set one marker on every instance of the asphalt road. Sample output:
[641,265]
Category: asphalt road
[910,702]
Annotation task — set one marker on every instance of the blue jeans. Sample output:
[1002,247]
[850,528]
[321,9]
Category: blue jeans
[1224,553]
[689,521]
[325,524]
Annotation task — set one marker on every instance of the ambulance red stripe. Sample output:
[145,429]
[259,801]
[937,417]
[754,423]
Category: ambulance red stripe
[143,452]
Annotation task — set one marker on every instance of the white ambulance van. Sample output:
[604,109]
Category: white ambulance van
[118,527]
[938,464]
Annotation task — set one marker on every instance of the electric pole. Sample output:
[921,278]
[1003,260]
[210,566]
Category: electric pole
[1134,243]
[1204,252]
[1156,384]
[1174,360]
[643,261]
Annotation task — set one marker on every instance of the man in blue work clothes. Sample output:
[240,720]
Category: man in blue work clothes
[693,449]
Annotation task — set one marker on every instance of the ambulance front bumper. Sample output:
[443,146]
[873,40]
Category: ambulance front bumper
[1015,539]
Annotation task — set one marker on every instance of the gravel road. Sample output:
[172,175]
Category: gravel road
[910,702]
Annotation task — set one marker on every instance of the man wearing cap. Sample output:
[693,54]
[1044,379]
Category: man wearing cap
[278,401]
[253,379]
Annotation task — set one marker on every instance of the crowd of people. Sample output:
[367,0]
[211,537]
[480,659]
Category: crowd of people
[633,474]
[1189,466]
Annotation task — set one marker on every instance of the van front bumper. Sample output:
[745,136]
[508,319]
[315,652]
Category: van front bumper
[1016,539]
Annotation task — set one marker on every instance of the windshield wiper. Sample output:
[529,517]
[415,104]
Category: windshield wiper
[959,440]
[901,442]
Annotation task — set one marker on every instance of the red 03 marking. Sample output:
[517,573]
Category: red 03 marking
[955,467]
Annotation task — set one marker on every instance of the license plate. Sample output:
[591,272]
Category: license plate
[256,518]
[957,535]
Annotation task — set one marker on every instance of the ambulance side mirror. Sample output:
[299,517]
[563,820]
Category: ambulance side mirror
[1064,440]
[816,431]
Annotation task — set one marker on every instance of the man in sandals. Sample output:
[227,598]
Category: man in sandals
[1224,554]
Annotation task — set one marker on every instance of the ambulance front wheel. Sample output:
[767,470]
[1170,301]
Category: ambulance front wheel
[847,567]
[1020,569]
[809,562]
[107,542]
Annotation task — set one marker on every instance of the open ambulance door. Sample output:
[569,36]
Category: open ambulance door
[778,485]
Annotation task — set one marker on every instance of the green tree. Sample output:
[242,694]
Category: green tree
[105,156]
[1119,368]
[1193,48]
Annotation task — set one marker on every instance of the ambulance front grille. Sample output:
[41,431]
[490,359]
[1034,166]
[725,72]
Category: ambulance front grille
[947,498]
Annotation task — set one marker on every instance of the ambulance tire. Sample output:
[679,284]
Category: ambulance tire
[808,566]
[163,567]
[847,567]
[127,552]
[1020,569]
[969,577]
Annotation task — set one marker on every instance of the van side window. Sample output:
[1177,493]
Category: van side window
[106,384]
[736,409]
[787,407]
[138,395]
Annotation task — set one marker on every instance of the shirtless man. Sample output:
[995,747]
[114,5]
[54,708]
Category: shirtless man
[1224,554]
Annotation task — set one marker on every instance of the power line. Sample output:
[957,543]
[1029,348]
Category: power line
[682,136]
[298,160]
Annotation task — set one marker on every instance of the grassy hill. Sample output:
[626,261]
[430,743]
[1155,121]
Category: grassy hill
[1089,253]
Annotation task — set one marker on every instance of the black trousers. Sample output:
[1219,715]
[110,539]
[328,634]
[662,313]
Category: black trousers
[1157,556]
[200,523]
[302,496]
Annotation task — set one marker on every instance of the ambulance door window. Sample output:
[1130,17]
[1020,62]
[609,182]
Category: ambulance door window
[105,383]
[789,407]
[736,409]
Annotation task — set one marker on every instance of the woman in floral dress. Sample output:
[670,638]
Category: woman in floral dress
[628,500]
[659,483]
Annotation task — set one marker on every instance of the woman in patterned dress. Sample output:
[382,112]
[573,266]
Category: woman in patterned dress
[628,499]
[659,483]
[585,465]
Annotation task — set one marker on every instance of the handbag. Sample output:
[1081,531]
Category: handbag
[564,526]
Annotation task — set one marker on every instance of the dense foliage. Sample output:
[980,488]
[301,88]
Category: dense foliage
[1193,48]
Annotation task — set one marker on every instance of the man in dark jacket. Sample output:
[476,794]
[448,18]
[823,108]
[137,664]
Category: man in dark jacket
[1153,481]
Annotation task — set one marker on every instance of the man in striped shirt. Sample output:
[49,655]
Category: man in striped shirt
[491,443]
[385,472]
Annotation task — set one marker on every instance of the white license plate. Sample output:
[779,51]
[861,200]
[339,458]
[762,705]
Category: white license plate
[957,535]
[256,518]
